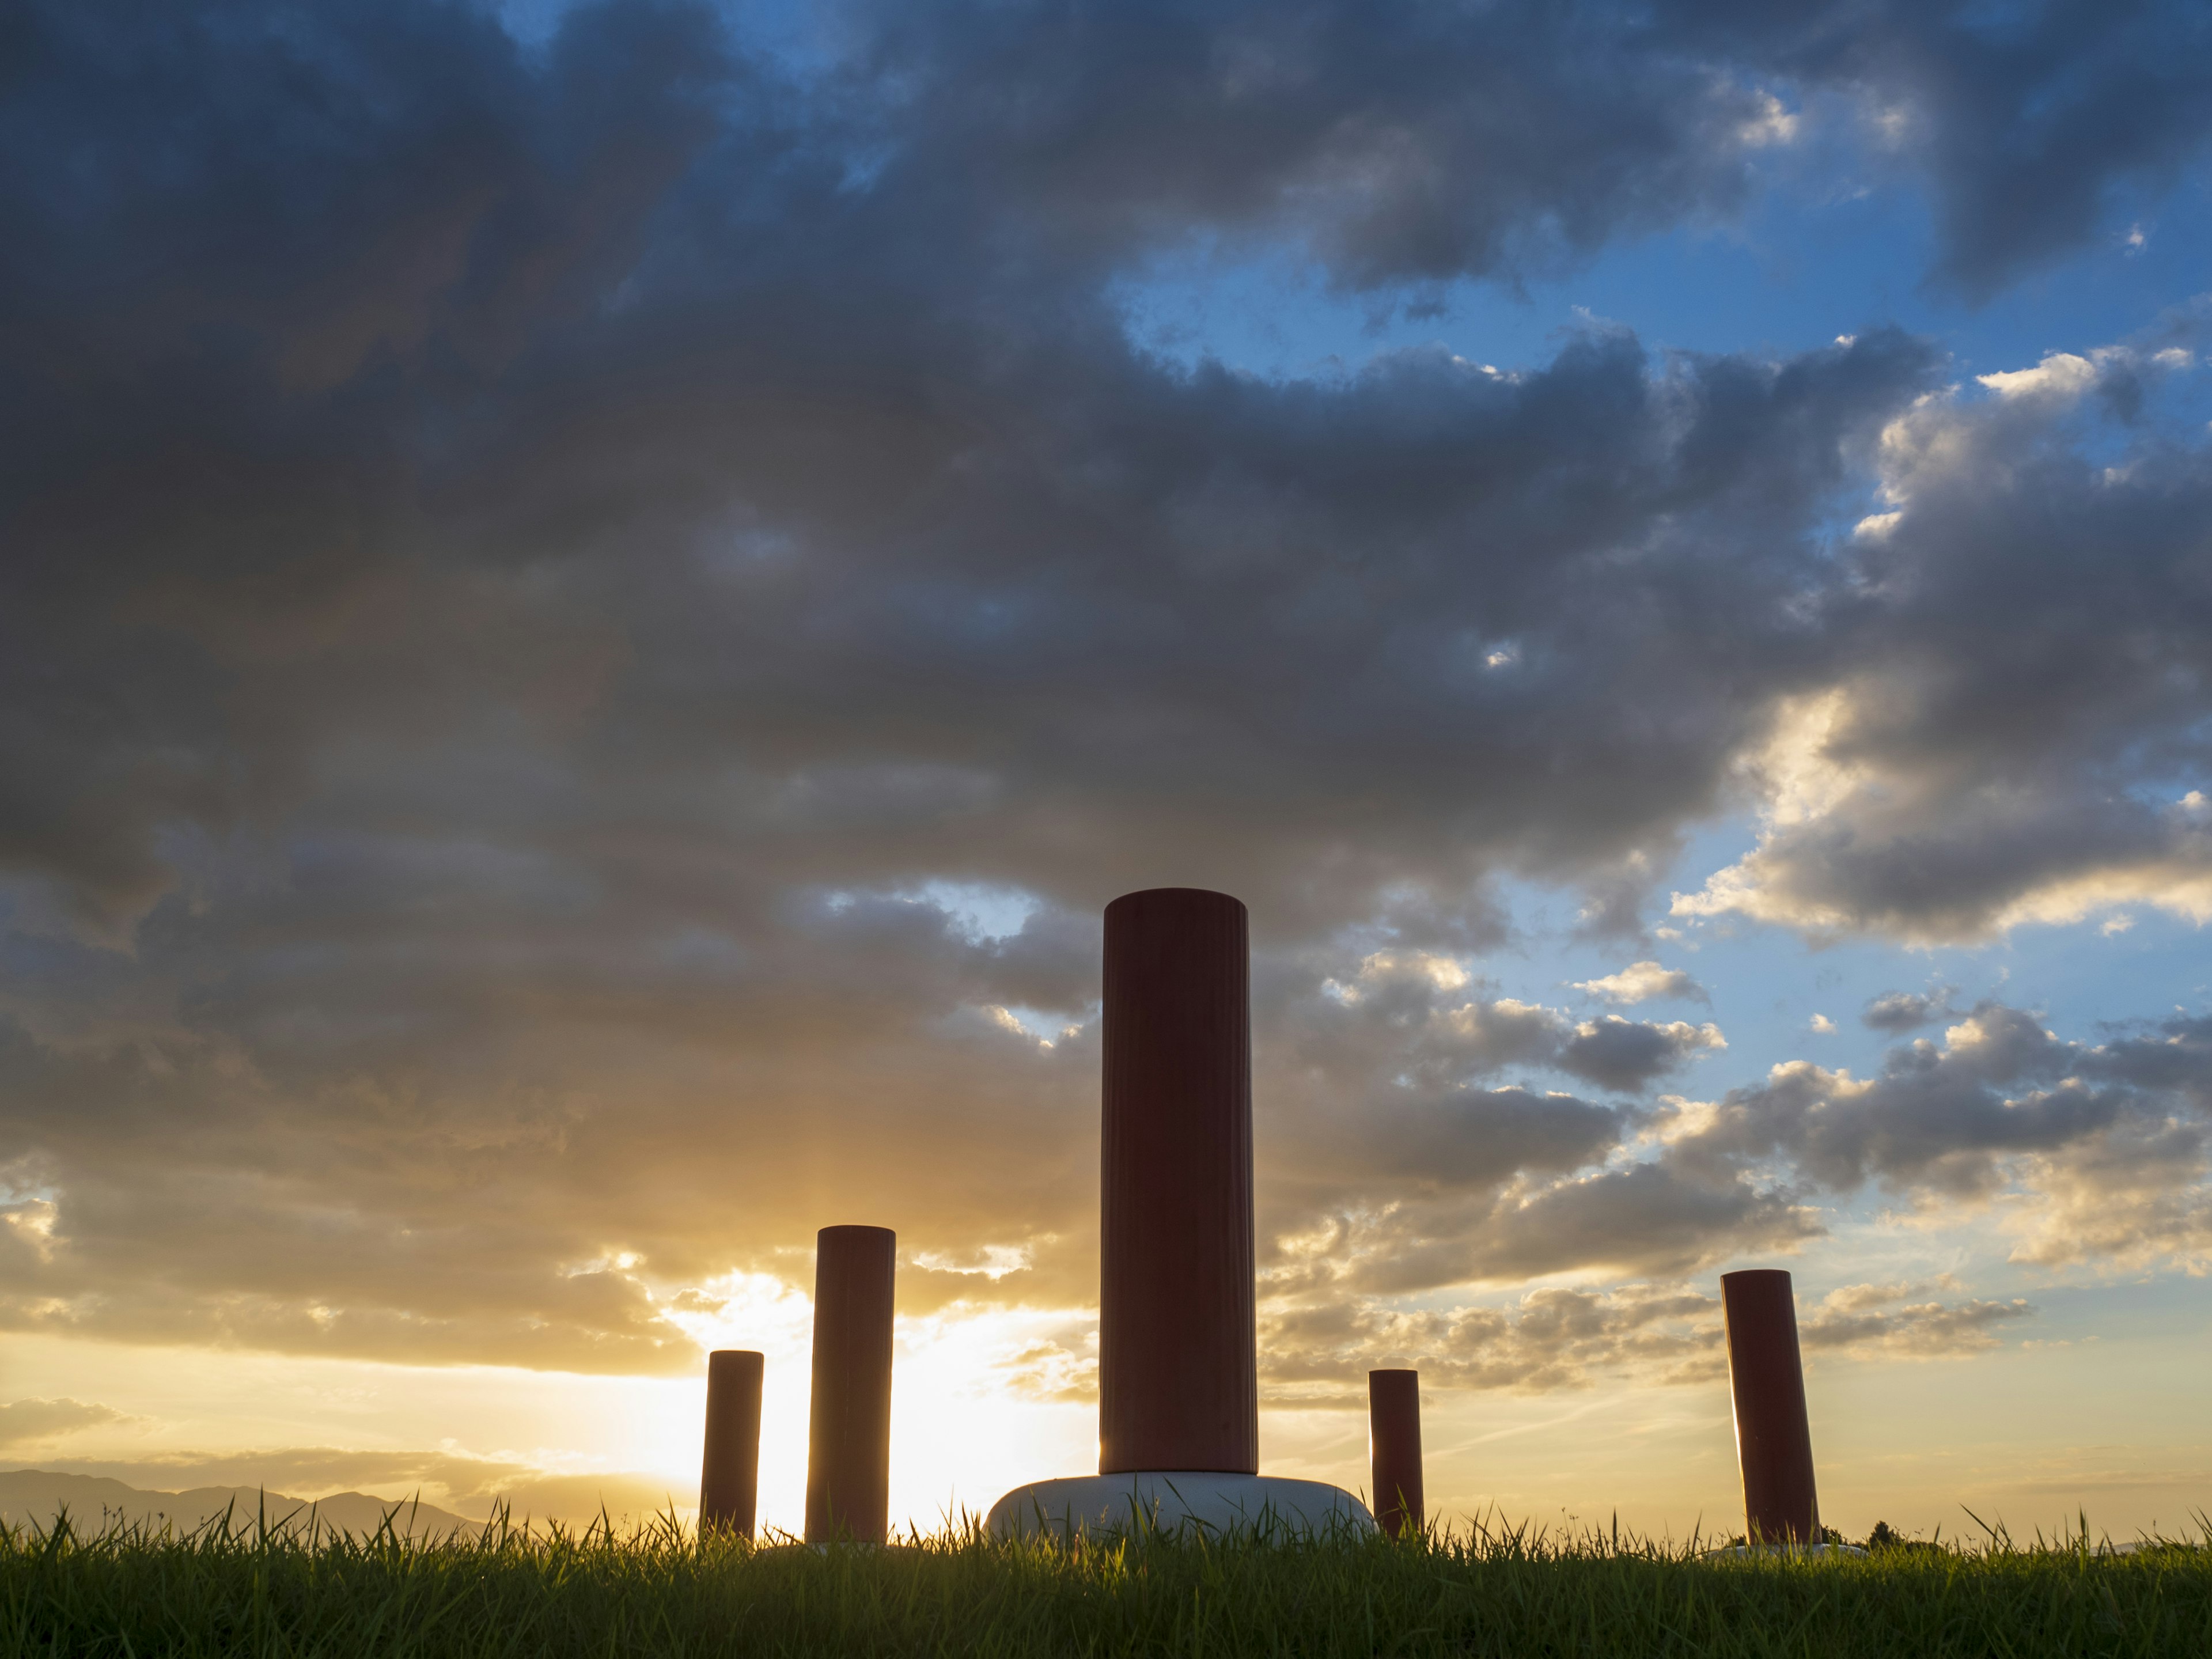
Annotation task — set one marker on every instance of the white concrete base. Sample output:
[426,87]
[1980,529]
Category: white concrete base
[1174,1500]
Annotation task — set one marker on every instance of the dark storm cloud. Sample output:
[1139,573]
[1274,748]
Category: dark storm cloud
[583,635]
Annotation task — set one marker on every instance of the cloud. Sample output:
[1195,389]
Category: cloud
[1908,1010]
[1644,982]
[513,1230]
[1651,1217]
[545,583]
[1551,1339]
[1934,1118]
[2104,1149]
[1396,143]
[1657,1335]
[1854,1319]
[27,1421]
[1404,1150]
[2060,378]
[1987,760]
[599,1262]
[2134,1196]
[1627,1055]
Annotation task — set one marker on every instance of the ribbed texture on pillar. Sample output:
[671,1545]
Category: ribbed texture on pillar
[729,1471]
[848,1441]
[1394,1444]
[1766,1378]
[1178,1384]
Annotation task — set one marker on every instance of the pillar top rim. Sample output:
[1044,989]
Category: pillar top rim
[1177,892]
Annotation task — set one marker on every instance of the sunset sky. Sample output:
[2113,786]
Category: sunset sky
[594,600]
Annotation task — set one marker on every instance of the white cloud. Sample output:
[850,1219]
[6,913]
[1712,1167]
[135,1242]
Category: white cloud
[2060,375]
[1643,982]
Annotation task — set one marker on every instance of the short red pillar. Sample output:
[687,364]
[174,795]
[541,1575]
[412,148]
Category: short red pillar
[1178,1374]
[848,1440]
[1773,1437]
[729,1473]
[1394,1444]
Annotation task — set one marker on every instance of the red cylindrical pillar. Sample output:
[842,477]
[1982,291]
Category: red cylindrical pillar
[1178,1374]
[1773,1436]
[848,1440]
[729,1473]
[1394,1444]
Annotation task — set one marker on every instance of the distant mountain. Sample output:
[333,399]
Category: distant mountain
[35,1495]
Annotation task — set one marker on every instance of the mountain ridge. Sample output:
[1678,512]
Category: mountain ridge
[37,1496]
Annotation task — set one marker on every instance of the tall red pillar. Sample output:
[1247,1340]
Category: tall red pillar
[729,1471]
[1773,1436]
[1394,1444]
[848,1440]
[1178,1371]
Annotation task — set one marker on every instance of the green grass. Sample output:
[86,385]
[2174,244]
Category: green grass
[237,1589]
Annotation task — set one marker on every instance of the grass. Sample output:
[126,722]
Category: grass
[239,1588]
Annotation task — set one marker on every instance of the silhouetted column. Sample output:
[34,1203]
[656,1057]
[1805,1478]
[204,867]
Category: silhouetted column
[729,1474]
[1394,1444]
[1774,1439]
[848,1441]
[1178,1378]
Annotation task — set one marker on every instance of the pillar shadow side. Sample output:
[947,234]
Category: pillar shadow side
[1178,1372]
[849,1419]
[1767,1383]
[729,1471]
[1394,1432]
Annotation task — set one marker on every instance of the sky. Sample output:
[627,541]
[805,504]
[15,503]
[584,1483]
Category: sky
[597,598]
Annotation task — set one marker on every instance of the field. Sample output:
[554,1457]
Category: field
[248,1590]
